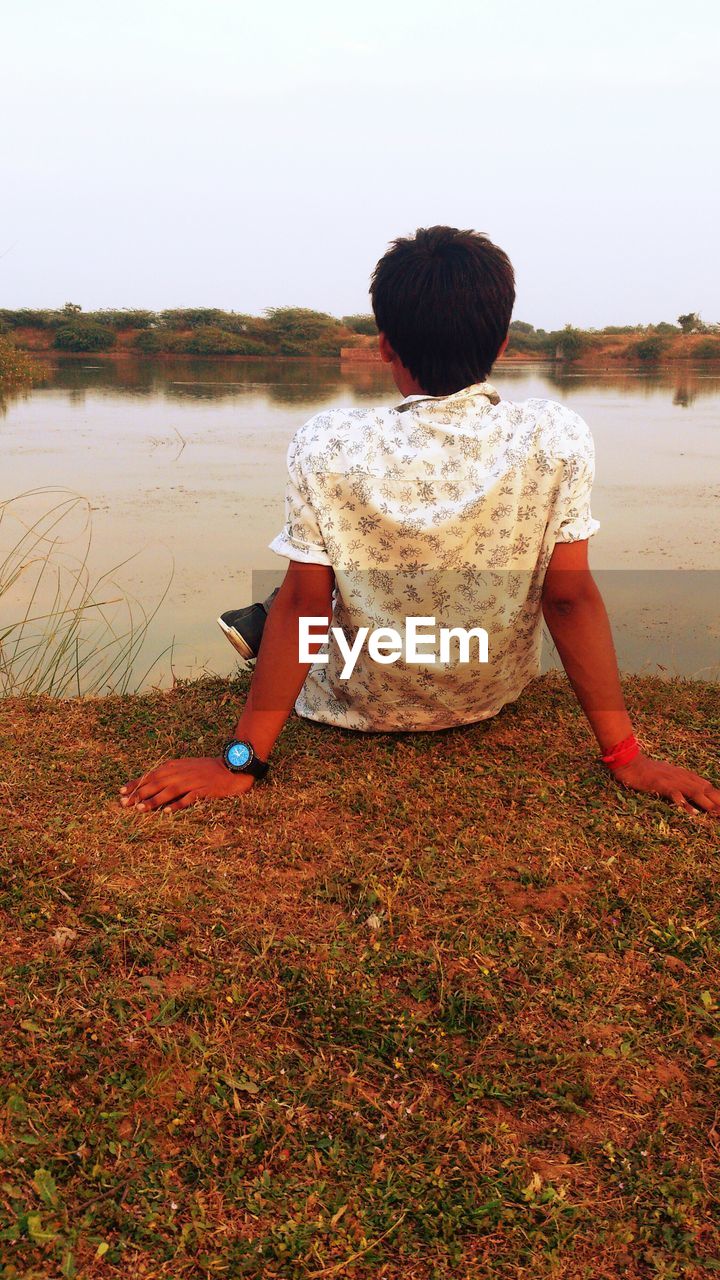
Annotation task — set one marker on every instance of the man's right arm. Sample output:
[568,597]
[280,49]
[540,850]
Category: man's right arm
[279,674]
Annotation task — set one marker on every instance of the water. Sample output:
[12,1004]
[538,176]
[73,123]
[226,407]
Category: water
[183,466]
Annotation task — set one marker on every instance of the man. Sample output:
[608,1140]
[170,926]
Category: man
[453,507]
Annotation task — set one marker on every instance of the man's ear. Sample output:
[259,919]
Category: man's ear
[387,355]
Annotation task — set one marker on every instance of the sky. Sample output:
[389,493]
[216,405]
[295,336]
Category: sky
[164,153]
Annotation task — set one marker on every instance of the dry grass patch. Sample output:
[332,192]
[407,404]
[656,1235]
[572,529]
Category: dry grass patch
[429,1006]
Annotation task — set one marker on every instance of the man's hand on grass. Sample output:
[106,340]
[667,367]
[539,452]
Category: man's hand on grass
[685,788]
[178,783]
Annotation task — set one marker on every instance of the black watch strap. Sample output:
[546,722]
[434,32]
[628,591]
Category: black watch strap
[258,768]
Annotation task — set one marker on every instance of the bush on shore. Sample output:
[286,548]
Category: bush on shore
[708,349]
[211,340]
[160,342]
[202,317]
[297,331]
[206,340]
[84,336]
[17,368]
[29,318]
[648,349]
[363,324]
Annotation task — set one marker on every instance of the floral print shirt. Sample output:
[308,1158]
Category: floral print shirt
[444,507]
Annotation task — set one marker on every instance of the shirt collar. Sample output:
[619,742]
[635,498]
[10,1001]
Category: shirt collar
[477,389]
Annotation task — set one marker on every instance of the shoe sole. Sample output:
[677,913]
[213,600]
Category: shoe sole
[236,640]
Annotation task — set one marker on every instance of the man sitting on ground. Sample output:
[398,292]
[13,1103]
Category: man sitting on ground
[453,506]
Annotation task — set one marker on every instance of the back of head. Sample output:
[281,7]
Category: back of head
[444,299]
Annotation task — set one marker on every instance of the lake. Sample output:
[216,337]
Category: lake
[182,464]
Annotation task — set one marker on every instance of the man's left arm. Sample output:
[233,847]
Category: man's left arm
[578,623]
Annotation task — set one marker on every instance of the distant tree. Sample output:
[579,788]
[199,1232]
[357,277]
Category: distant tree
[361,324]
[525,337]
[649,349]
[72,308]
[301,332]
[81,336]
[690,322]
[664,327]
[568,343]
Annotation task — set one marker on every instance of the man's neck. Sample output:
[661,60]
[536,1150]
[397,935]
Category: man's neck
[406,384]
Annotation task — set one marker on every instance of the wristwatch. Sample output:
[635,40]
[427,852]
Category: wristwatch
[239,757]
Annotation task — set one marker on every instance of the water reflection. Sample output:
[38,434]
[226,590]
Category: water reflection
[686,384]
[281,381]
[298,381]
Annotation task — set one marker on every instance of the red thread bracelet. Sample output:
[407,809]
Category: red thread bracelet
[622,753]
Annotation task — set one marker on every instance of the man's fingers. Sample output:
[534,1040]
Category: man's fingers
[149,786]
[162,797]
[700,792]
[187,800]
[703,798]
[132,791]
[160,771]
[713,796]
[678,798]
[161,778]
[146,791]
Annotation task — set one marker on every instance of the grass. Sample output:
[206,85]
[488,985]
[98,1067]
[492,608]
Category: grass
[72,633]
[425,1006]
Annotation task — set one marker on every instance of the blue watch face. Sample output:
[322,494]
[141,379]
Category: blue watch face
[238,754]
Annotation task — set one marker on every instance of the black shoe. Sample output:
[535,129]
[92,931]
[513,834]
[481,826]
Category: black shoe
[244,627]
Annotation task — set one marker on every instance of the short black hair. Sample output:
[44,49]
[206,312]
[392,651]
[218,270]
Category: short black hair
[444,298]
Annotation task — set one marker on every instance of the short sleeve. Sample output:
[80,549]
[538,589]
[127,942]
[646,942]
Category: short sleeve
[301,537]
[574,520]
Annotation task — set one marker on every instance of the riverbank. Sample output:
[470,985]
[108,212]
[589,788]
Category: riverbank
[596,351]
[423,1005]
[636,348]
[617,357]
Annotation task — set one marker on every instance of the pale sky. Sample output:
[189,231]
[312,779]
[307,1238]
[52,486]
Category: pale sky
[161,153]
